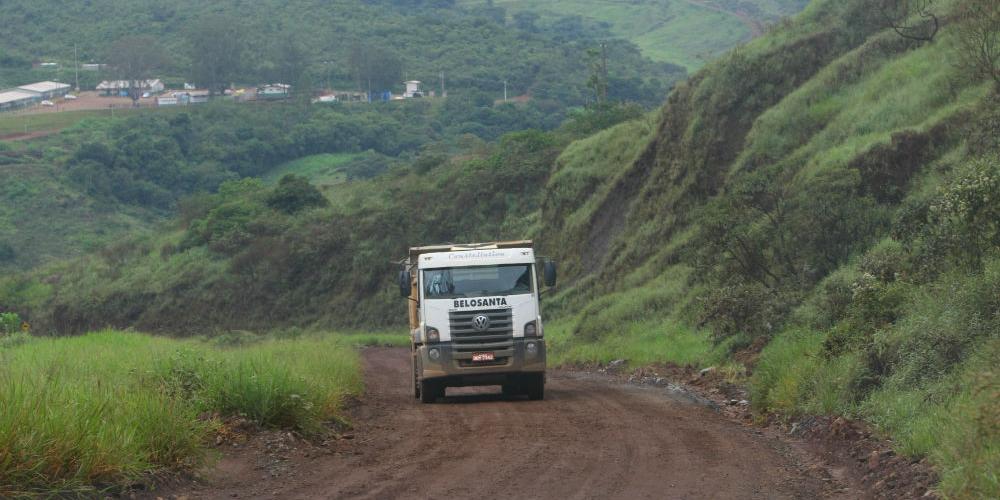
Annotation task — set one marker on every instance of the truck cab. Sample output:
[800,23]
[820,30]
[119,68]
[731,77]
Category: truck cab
[475,318]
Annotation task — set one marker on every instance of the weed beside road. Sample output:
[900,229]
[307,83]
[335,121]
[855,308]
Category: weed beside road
[107,408]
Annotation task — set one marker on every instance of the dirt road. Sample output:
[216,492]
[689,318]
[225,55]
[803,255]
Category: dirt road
[590,438]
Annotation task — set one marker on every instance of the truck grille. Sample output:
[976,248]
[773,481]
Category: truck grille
[498,337]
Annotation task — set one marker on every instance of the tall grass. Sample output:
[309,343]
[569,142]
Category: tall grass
[106,408]
[639,343]
[954,421]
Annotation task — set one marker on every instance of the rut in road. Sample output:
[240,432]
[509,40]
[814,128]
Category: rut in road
[590,438]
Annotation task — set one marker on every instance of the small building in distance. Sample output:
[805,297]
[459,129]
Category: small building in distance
[274,91]
[341,96]
[198,96]
[412,89]
[183,98]
[92,66]
[17,99]
[46,90]
[119,88]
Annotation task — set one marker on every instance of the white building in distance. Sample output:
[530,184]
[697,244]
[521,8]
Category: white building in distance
[46,90]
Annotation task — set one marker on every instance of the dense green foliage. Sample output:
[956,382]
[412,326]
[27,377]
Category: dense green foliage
[476,48]
[678,31]
[67,194]
[108,408]
[282,245]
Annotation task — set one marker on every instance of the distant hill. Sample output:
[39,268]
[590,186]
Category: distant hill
[685,32]
[471,46]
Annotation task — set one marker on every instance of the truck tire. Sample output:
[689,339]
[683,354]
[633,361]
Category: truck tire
[534,386]
[430,391]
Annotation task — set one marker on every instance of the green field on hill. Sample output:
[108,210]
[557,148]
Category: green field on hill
[322,169]
[685,32]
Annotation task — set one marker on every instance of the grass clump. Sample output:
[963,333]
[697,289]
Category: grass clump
[104,409]
[640,343]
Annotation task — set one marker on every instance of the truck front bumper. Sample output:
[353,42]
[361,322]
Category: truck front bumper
[528,357]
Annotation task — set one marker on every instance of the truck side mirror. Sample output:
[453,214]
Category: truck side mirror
[550,273]
[405,283]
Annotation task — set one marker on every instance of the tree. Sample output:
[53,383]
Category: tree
[294,193]
[979,39]
[374,69]
[899,15]
[135,59]
[217,46]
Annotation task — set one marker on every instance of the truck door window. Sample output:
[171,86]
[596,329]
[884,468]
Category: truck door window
[439,283]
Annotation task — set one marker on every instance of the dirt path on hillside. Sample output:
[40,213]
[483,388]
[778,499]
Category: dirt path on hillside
[590,438]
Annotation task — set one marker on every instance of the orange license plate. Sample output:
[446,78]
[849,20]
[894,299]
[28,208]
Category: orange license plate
[480,357]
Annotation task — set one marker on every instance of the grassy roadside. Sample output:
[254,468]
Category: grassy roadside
[110,407]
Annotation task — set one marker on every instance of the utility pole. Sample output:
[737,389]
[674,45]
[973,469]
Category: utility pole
[76,66]
[442,84]
[505,91]
[604,71]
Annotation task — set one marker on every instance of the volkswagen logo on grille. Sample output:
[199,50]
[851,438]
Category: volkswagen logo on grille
[481,322]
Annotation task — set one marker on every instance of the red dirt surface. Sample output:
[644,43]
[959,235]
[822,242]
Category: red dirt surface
[88,100]
[591,437]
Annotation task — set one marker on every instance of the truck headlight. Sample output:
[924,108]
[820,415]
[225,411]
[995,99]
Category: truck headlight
[531,329]
[434,354]
[432,335]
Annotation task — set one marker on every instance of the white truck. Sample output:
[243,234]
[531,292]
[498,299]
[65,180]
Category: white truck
[474,317]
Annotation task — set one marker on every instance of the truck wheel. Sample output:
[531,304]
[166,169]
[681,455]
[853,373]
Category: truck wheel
[534,385]
[430,391]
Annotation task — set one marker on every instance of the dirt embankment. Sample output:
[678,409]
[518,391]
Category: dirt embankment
[590,438]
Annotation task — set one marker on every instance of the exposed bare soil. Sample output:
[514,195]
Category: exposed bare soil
[89,100]
[592,437]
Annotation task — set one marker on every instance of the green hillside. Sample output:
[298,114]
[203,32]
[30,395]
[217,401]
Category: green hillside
[102,178]
[312,42]
[685,32]
[817,203]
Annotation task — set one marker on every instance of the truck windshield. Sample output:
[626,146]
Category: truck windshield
[477,281]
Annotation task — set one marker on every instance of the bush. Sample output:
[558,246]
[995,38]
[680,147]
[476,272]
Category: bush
[964,220]
[830,300]
[874,305]
[10,323]
[294,193]
[748,310]
[943,325]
